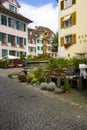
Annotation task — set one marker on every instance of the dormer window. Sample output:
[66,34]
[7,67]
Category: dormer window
[12,8]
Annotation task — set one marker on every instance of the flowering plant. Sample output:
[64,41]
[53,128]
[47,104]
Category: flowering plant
[66,45]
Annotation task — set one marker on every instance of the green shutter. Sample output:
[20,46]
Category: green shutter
[4,52]
[18,40]
[9,22]
[10,52]
[0,36]
[24,27]
[3,20]
[9,38]
[25,41]
[17,25]
[18,53]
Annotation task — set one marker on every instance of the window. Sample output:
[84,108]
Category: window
[18,53]
[11,39]
[4,40]
[12,8]
[11,23]
[38,48]
[4,52]
[67,3]
[30,32]
[68,22]
[21,42]
[21,26]
[3,20]
[38,41]
[68,39]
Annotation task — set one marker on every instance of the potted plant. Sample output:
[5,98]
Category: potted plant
[51,86]
[43,86]
[66,86]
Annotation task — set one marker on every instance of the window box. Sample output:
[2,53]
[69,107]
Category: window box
[67,45]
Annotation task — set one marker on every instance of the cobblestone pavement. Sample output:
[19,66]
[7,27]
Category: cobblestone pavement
[23,107]
[5,72]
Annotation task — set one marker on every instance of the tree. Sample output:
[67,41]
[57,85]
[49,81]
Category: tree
[55,42]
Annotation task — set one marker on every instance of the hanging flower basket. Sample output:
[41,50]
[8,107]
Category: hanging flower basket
[67,45]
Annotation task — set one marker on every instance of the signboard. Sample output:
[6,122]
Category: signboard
[82,38]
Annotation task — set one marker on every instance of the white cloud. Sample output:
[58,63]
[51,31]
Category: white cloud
[46,15]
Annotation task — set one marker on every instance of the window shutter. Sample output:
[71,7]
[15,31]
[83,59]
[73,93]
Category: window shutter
[17,25]
[74,38]
[9,38]
[25,53]
[73,2]
[18,53]
[74,18]
[62,22]
[18,40]
[25,41]
[0,36]
[62,41]
[3,20]
[24,27]
[62,5]
[4,52]
[9,22]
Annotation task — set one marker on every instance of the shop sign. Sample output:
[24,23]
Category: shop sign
[82,38]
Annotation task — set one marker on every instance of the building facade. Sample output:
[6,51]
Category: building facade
[73,28]
[13,29]
[36,41]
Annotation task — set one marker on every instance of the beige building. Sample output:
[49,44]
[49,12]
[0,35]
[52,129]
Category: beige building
[73,28]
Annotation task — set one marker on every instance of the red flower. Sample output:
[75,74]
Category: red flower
[66,45]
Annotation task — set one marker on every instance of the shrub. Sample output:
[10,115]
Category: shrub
[38,72]
[34,80]
[22,77]
[43,86]
[41,79]
[3,63]
[30,77]
[51,86]
[66,86]
[12,74]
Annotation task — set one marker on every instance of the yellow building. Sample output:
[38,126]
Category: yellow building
[73,28]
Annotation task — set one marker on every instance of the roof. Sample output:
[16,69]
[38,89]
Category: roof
[13,14]
[1,1]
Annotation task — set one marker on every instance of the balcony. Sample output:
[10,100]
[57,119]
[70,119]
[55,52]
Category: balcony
[4,43]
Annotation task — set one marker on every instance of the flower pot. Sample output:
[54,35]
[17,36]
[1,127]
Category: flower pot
[67,91]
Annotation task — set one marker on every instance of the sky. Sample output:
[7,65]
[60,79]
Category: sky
[41,12]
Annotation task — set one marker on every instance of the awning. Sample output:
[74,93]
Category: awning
[67,17]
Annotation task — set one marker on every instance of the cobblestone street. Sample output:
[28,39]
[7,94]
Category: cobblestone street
[24,107]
